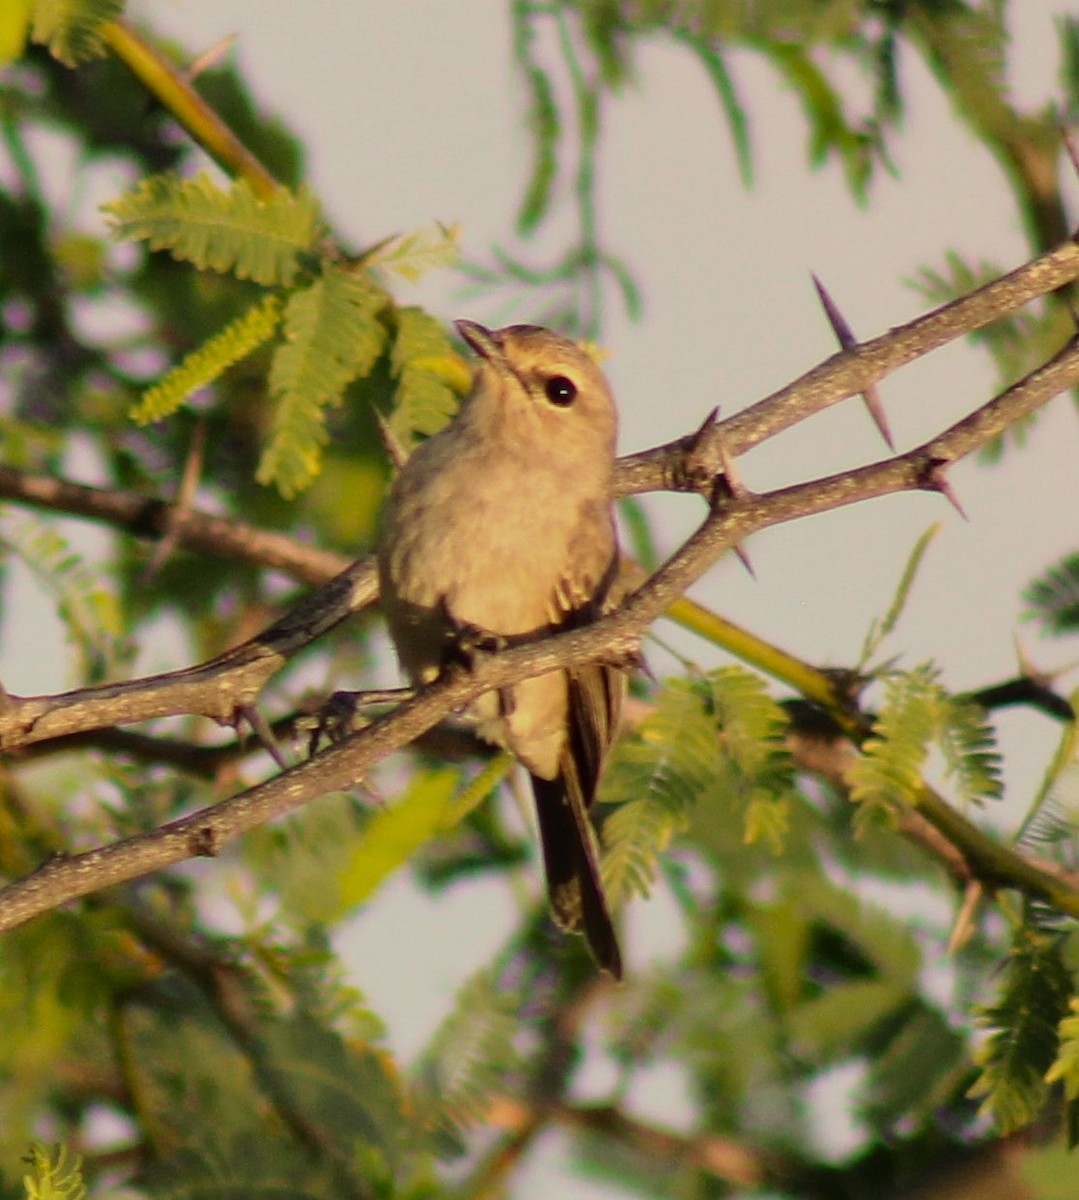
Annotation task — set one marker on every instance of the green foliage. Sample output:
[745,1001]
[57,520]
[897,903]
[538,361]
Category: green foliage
[916,714]
[1068,29]
[83,597]
[1053,598]
[1065,1069]
[830,132]
[429,377]
[230,230]
[250,1064]
[52,1176]
[879,630]
[332,335]
[1026,1023]
[722,734]
[202,366]
[469,1059]
[1016,343]
[72,28]
[413,255]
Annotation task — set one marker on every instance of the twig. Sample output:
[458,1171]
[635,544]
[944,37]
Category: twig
[176,92]
[206,831]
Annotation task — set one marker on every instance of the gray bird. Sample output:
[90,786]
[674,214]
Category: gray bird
[501,526]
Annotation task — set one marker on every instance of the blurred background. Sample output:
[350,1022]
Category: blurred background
[415,112]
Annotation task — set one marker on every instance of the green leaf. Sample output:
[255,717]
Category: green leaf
[72,28]
[413,255]
[545,125]
[877,633]
[1053,598]
[1026,1022]
[85,602]
[52,1175]
[972,761]
[429,375]
[332,336]
[823,109]
[916,714]
[206,363]
[1068,30]
[733,110]
[396,833]
[1065,1068]
[720,734]
[886,943]
[469,1058]
[917,1071]
[664,767]
[14,28]
[230,230]
[344,1090]
[825,1027]
[889,772]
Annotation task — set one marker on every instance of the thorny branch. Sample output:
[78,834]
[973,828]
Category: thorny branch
[225,686]
[220,689]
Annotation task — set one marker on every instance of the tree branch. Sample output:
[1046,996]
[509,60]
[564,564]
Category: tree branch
[206,831]
[174,91]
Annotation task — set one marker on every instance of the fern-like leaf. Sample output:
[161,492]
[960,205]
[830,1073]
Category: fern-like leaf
[86,607]
[720,733]
[332,336]
[1065,1068]
[888,774]
[429,377]
[72,28]
[1026,1021]
[1054,597]
[52,1175]
[664,766]
[878,631]
[206,363]
[972,760]
[468,1059]
[413,255]
[230,230]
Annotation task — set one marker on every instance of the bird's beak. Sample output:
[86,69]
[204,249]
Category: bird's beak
[486,343]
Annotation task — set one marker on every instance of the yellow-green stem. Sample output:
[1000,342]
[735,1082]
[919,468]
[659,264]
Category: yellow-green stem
[172,88]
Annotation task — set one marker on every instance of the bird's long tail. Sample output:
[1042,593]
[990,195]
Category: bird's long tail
[571,861]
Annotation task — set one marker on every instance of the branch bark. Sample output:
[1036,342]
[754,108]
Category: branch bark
[738,515]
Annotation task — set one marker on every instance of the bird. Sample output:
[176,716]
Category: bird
[501,527]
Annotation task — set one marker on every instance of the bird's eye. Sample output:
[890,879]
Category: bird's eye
[560,390]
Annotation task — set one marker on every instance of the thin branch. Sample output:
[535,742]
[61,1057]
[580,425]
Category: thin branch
[175,91]
[151,518]
[217,689]
[849,373]
[206,831]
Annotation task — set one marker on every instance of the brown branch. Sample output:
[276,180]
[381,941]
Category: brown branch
[848,374]
[219,689]
[200,532]
[175,91]
[725,1158]
[686,464]
[206,831]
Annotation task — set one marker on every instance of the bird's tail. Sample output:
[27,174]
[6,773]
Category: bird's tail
[571,861]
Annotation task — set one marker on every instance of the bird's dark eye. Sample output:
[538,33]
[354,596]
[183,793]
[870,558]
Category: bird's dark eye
[560,390]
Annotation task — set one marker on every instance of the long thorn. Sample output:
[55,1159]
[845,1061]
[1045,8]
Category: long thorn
[938,482]
[743,558]
[261,729]
[847,341]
